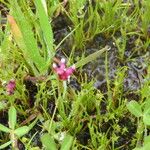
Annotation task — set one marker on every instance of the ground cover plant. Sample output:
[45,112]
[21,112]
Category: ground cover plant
[74,75]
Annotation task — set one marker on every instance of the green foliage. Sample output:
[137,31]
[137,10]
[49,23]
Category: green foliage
[91,57]
[48,142]
[46,28]
[121,43]
[12,117]
[5,145]
[27,42]
[66,118]
[4,129]
[145,16]
[135,108]
[67,142]
[146,144]
[14,132]
[76,15]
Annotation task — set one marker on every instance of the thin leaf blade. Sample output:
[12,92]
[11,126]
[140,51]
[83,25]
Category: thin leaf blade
[91,57]
[12,117]
[45,26]
[4,128]
[5,145]
[32,49]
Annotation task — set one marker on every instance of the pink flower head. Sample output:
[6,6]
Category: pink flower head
[61,70]
[10,87]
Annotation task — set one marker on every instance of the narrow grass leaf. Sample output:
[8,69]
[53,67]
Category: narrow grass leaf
[12,117]
[91,57]
[48,142]
[45,26]
[21,131]
[5,145]
[31,125]
[134,108]
[67,142]
[4,128]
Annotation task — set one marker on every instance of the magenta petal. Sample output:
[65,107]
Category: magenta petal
[11,87]
[59,71]
[67,73]
[63,77]
[62,66]
[70,71]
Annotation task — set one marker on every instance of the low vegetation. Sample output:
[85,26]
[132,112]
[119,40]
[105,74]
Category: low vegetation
[74,75]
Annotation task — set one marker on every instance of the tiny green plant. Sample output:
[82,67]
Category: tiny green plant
[121,43]
[145,18]
[143,116]
[14,132]
[76,15]
[49,143]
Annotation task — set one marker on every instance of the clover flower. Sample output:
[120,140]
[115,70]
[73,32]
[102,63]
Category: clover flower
[10,87]
[62,71]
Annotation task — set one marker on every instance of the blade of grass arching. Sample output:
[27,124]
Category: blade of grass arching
[59,44]
[91,57]
[5,145]
[32,49]
[46,27]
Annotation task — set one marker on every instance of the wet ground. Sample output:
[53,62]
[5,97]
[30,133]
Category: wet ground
[136,63]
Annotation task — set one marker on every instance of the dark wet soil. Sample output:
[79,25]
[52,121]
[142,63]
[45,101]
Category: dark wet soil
[32,91]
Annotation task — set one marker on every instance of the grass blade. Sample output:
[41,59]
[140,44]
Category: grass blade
[46,27]
[4,128]
[5,145]
[90,58]
[31,49]
[12,115]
